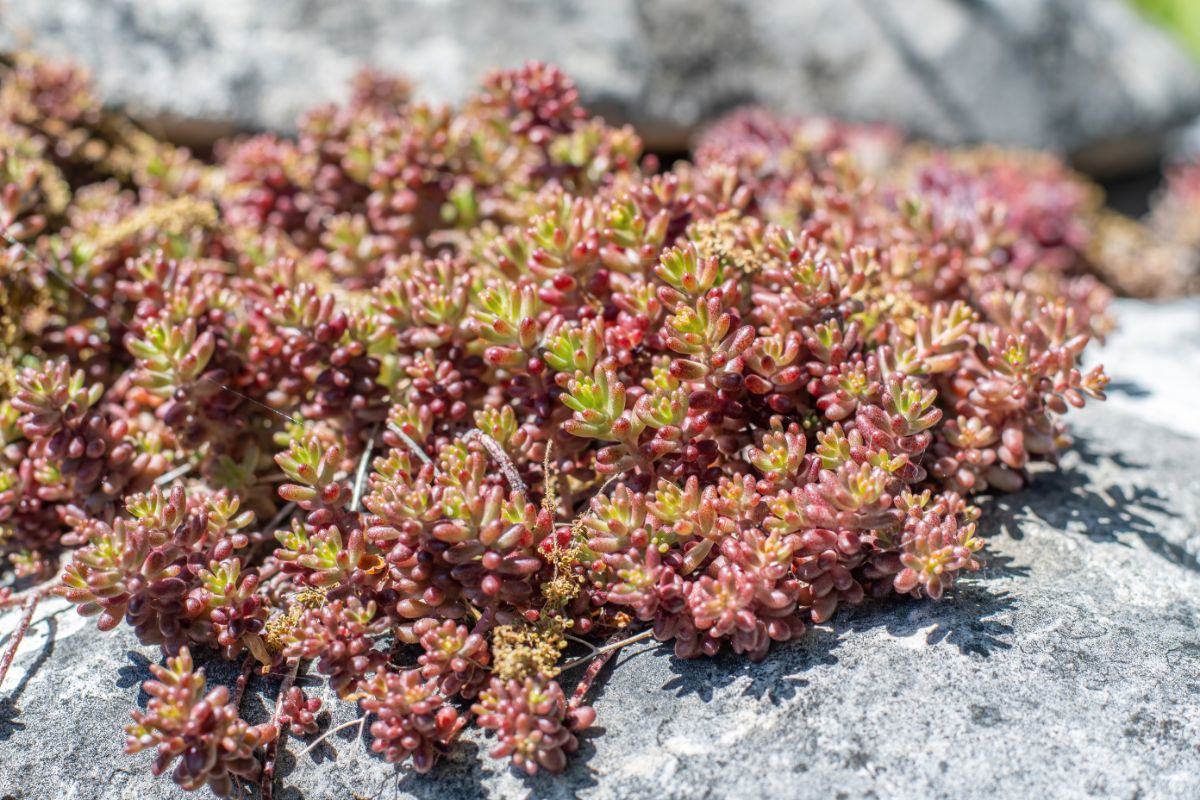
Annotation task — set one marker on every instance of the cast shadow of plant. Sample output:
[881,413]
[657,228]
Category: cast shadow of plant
[774,679]
[135,673]
[963,619]
[1092,504]
[10,710]
[461,772]
[347,751]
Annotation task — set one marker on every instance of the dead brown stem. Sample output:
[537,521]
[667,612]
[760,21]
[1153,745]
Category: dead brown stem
[266,787]
[31,603]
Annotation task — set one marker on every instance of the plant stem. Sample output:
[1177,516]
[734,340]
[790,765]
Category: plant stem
[22,627]
[40,591]
[279,518]
[599,658]
[612,647]
[359,721]
[583,642]
[497,452]
[178,472]
[239,688]
[360,475]
[412,446]
[266,786]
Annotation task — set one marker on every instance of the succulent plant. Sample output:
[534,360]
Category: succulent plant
[532,722]
[300,712]
[213,744]
[426,396]
[413,719]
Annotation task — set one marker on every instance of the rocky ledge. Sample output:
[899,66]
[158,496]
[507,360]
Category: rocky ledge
[1069,667]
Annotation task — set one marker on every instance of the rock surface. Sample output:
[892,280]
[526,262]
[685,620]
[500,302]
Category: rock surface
[1153,359]
[1073,75]
[1068,668]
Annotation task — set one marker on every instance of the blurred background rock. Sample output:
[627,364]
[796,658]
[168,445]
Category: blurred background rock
[1090,78]
[1110,84]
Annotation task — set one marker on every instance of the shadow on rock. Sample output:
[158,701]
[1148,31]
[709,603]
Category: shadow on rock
[291,754]
[467,777]
[773,679]
[135,673]
[10,711]
[459,773]
[1090,455]
[1106,511]
[998,565]
[963,618]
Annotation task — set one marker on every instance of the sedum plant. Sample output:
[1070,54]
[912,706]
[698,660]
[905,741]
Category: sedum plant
[425,399]
[1168,244]
[202,731]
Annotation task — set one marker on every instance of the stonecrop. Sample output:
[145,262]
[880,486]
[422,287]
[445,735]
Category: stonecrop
[424,397]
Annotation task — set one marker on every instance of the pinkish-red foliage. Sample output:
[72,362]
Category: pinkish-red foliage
[405,400]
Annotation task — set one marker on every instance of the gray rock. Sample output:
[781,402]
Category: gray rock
[1068,668]
[1073,75]
[1153,359]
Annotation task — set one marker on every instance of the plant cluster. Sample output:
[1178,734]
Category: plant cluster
[1172,228]
[424,398]
[1054,216]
